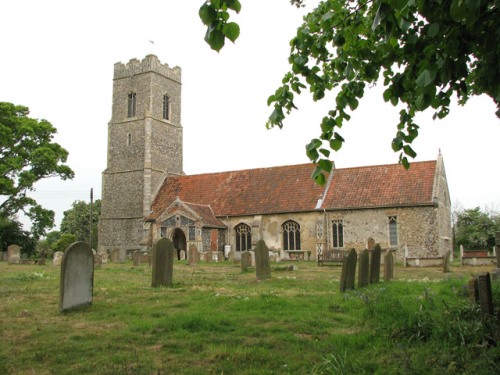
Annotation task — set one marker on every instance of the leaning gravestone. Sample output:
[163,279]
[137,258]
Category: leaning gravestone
[375,265]
[389,266]
[113,255]
[348,271]
[246,260]
[446,262]
[262,264]
[13,254]
[364,269]
[163,263]
[77,277]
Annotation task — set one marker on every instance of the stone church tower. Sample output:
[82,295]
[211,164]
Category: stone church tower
[144,147]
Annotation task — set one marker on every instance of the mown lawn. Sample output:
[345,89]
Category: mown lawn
[217,320]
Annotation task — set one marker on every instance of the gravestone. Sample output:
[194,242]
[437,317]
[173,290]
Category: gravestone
[375,264]
[77,277]
[480,292]
[122,256]
[182,255]
[97,259]
[446,262]
[194,255]
[5,256]
[113,255]
[389,266]
[13,254]
[246,260]
[262,263]
[348,271]
[104,257]
[146,259]
[56,260]
[163,263]
[230,256]
[136,258]
[364,269]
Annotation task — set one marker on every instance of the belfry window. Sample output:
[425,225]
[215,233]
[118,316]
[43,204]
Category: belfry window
[243,237]
[131,104]
[393,231]
[338,233]
[291,235]
[166,107]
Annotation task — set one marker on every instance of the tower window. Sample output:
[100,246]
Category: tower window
[338,233]
[291,235]
[131,104]
[166,107]
[243,237]
[393,231]
[129,139]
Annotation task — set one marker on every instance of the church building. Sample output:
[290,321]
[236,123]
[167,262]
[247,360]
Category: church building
[146,195]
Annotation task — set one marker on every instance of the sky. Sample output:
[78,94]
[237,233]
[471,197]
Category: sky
[58,56]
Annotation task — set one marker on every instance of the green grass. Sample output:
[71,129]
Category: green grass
[217,320]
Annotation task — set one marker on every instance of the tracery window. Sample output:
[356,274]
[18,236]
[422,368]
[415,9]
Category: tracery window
[338,233]
[393,231]
[291,235]
[243,237]
[166,107]
[131,104]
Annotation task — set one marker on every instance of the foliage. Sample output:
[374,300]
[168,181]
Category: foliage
[214,14]
[424,52]
[12,233]
[76,221]
[27,155]
[62,243]
[475,229]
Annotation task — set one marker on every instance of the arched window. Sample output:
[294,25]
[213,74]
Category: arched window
[291,235]
[131,104]
[338,233]
[393,231]
[243,237]
[166,107]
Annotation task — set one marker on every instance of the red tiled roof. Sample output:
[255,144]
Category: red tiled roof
[381,185]
[291,189]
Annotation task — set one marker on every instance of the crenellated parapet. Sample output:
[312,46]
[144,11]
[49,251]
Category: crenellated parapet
[150,63]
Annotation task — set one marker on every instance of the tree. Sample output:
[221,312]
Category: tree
[27,155]
[76,221]
[62,243]
[476,229]
[12,233]
[424,52]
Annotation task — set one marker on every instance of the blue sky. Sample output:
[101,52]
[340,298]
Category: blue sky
[58,59]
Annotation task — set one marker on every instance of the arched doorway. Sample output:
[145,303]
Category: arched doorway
[179,240]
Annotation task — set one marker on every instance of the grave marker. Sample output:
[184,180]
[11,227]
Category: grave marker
[194,255]
[446,262]
[136,258]
[163,263]
[364,269]
[262,264]
[56,260]
[77,277]
[13,254]
[348,271]
[389,266]
[246,260]
[375,265]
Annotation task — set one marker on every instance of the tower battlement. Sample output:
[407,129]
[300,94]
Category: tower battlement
[150,63]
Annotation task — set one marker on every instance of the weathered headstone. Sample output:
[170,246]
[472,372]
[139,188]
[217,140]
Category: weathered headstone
[262,263]
[14,254]
[56,260]
[446,262]
[194,255]
[480,292]
[375,264]
[364,269]
[389,266]
[5,256]
[113,255]
[230,256]
[77,277]
[146,259]
[182,255]
[104,257]
[246,260]
[348,271]
[163,263]
[122,256]
[136,258]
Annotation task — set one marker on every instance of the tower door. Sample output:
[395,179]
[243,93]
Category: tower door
[179,240]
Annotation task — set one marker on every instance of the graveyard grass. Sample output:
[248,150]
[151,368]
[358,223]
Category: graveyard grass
[216,319]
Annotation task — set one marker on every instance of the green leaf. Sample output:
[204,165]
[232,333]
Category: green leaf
[234,5]
[405,162]
[313,145]
[231,30]
[207,14]
[336,144]
[426,78]
[318,176]
[409,151]
[458,10]
[433,30]
[215,39]
[325,165]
